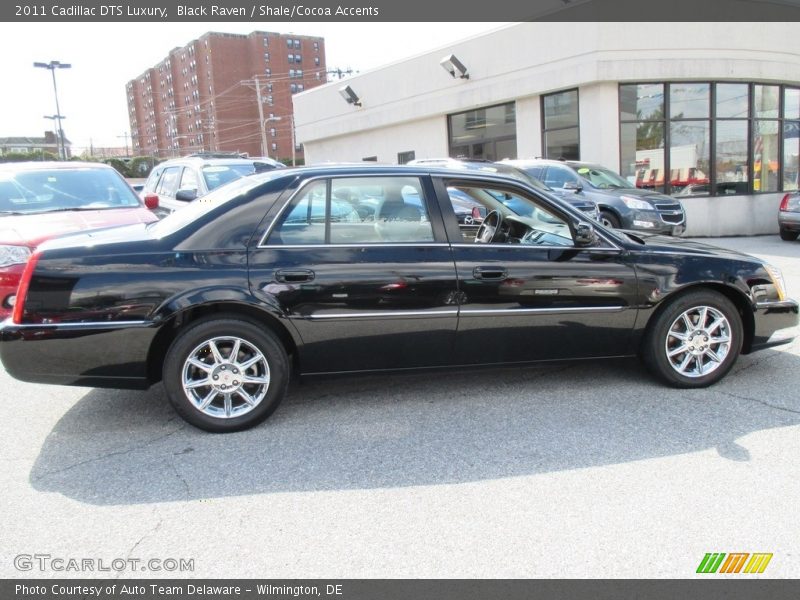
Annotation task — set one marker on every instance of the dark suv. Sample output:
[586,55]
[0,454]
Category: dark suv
[181,180]
[622,205]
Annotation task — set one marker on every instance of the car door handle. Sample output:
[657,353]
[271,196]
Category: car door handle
[294,275]
[490,273]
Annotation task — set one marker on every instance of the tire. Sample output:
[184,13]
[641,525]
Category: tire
[220,405]
[712,317]
[609,219]
[789,236]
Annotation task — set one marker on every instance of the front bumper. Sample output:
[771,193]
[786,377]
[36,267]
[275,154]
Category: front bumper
[776,323]
[103,354]
[656,222]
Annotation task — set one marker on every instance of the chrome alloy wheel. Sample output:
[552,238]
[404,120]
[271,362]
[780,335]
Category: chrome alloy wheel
[698,341]
[225,377]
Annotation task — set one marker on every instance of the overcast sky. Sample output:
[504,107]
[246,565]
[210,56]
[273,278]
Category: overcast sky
[105,56]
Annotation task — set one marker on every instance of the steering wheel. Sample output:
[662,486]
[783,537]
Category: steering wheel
[491,228]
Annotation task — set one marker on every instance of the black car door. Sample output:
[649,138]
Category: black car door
[362,268]
[531,293]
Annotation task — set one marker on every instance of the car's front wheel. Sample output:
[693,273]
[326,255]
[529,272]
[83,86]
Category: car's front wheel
[225,374]
[609,219]
[695,340]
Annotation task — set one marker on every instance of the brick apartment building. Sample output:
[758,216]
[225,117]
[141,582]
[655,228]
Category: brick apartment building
[203,97]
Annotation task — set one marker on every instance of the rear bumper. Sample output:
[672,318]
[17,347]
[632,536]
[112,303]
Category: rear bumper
[789,221]
[104,354]
[775,324]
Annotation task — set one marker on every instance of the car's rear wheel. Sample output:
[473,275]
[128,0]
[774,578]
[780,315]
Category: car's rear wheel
[225,374]
[788,235]
[609,219]
[695,340]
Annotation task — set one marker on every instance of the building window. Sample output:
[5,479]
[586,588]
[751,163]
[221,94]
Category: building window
[488,133]
[405,157]
[272,132]
[316,45]
[266,56]
[274,146]
[704,138]
[561,133]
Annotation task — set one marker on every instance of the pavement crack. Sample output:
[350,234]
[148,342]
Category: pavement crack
[136,545]
[108,455]
[180,477]
[763,402]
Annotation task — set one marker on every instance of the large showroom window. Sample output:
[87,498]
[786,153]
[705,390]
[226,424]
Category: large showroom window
[488,133]
[703,138]
[561,134]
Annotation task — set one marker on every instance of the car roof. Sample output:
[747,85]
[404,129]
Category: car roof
[324,170]
[52,164]
[551,161]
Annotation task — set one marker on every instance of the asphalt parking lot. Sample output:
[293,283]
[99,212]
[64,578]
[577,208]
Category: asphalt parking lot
[583,470]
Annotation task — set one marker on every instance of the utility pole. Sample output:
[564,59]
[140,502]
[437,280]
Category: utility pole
[339,72]
[125,135]
[257,84]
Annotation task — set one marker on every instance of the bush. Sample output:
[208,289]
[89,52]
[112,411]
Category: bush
[119,165]
[26,156]
[142,165]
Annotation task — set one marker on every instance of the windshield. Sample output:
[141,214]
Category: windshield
[79,188]
[602,178]
[217,175]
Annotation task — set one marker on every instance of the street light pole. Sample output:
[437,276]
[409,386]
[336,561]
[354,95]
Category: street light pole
[52,66]
[57,119]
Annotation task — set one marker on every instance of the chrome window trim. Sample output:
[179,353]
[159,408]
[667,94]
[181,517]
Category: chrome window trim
[529,247]
[365,245]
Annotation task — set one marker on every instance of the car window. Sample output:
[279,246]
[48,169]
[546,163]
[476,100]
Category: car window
[526,220]
[152,180]
[168,184]
[558,176]
[189,180]
[362,210]
[217,175]
[603,179]
[47,190]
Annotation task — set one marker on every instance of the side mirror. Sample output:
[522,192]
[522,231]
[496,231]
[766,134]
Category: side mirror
[186,195]
[151,201]
[585,234]
[573,185]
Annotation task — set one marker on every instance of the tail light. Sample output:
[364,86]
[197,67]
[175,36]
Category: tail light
[151,201]
[22,290]
[785,202]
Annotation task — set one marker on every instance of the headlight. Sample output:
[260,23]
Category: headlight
[14,255]
[777,280]
[635,203]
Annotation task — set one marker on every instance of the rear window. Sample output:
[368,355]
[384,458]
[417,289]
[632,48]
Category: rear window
[47,190]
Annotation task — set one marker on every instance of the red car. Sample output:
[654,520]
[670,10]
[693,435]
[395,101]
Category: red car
[42,200]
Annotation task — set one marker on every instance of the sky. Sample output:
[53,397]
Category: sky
[105,56]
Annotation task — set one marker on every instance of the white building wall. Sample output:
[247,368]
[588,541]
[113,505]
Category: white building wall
[599,123]
[426,137]
[405,104]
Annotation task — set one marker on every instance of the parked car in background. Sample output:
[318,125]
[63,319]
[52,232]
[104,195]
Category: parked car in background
[789,216]
[622,205]
[41,200]
[501,168]
[279,273]
[178,181]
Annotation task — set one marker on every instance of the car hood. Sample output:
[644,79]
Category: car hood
[663,243]
[32,230]
[639,193]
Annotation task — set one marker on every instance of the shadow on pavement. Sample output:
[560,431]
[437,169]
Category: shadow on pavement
[386,431]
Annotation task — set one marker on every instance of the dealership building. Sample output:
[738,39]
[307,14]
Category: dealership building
[706,112]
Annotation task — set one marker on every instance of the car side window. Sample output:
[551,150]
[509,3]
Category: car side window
[152,180]
[168,184]
[557,177]
[356,210]
[523,219]
[189,180]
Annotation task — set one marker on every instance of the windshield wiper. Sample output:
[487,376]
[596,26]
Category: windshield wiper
[76,209]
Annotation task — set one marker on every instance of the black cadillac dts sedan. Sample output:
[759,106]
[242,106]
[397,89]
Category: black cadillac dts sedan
[366,268]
